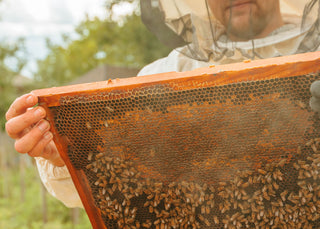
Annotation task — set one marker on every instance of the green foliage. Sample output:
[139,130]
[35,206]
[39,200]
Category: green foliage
[15,214]
[127,43]
[10,65]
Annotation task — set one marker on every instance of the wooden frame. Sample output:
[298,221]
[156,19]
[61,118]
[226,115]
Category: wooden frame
[279,67]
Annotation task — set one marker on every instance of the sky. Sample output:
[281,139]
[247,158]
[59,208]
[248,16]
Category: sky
[36,20]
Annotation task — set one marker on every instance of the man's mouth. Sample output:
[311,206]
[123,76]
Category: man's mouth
[239,4]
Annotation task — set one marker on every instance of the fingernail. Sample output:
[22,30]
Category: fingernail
[43,125]
[30,100]
[39,112]
[48,135]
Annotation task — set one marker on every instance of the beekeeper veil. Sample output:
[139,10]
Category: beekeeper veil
[198,29]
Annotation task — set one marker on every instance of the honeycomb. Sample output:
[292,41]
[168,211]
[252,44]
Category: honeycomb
[244,154]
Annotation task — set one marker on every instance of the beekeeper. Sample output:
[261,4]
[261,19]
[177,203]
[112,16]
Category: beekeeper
[209,32]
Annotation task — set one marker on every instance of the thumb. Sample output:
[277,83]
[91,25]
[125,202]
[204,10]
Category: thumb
[315,89]
[315,104]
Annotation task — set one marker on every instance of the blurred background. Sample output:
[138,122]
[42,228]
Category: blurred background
[53,43]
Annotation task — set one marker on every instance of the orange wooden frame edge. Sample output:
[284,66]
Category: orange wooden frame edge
[78,177]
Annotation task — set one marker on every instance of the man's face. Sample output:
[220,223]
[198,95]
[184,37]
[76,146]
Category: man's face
[245,19]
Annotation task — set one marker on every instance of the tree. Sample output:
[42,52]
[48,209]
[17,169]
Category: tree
[11,64]
[125,43]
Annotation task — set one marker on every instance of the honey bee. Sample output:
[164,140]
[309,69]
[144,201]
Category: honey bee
[88,125]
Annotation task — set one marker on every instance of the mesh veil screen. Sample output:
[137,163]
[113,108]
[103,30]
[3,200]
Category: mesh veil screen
[191,153]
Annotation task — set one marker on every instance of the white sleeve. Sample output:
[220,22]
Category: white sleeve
[162,65]
[58,182]
[176,61]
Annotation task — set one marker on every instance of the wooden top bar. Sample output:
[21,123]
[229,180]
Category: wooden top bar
[277,67]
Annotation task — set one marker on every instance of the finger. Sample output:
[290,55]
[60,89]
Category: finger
[16,126]
[42,149]
[31,139]
[47,150]
[315,89]
[315,104]
[20,105]
[51,153]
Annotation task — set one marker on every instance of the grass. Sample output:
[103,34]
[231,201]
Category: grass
[25,210]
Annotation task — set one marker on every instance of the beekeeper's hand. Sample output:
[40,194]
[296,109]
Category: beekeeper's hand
[315,99]
[26,124]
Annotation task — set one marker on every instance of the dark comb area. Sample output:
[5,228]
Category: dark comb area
[240,155]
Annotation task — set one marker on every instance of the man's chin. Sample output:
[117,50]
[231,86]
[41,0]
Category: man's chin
[243,30]
[241,33]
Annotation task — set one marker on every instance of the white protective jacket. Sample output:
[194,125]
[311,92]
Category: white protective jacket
[57,180]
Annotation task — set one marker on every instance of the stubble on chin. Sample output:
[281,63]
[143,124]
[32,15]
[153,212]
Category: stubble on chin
[245,27]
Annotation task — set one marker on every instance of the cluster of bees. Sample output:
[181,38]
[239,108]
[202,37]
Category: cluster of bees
[282,194]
